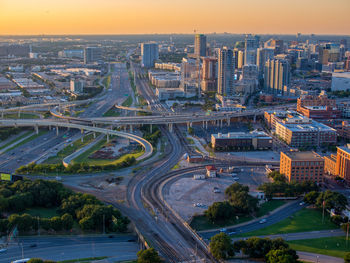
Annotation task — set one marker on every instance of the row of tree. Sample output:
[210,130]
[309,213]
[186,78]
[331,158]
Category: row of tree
[272,250]
[74,168]
[239,203]
[85,209]
[328,199]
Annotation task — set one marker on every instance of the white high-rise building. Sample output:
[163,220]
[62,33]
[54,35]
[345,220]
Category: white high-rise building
[225,72]
[149,53]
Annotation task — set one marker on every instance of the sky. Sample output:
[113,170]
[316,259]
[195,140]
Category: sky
[18,17]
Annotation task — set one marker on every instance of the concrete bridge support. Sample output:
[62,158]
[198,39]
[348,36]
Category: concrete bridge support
[131,129]
[228,121]
[36,128]
[254,117]
[220,123]
[94,135]
[57,131]
[170,127]
[150,128]
[107,137]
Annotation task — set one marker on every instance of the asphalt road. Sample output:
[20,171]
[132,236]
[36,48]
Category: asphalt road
[72,247]
[270,220]
[49,142]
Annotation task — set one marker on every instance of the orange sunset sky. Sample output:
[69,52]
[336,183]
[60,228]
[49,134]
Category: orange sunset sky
[175,16]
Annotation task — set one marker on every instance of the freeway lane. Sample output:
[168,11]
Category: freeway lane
[72,247]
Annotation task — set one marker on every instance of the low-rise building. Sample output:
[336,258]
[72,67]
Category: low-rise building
[330,164]
[241,141]
[302,166]
[164,79]
[344,132]
[169,93]
[306,133]
[320,112]
[272,117]
[342,168]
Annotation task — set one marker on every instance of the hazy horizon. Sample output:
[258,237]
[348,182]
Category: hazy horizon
[118,17]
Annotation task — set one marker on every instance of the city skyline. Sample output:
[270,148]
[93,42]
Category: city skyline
[21,17]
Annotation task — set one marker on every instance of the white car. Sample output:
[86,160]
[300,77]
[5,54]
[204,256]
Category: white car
[3,250]
[262,221]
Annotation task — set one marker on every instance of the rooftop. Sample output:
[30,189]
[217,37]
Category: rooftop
[313,126]
[303,156]
[247,135]
[345,148]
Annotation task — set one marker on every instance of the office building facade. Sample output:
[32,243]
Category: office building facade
[92,54]
[302,166]
[225,72]
[209,74]
[200,45]
[149,54]
[250,49]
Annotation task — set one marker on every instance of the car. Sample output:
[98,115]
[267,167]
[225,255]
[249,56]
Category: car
[217,191]
[262,221]
[235,178]
[302,203]
[223,230]
[3,250]
[110,236]
[33,245]
[232,233]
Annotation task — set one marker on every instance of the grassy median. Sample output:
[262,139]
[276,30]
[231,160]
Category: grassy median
[331,246]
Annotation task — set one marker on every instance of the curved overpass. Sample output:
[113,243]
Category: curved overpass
[47,123]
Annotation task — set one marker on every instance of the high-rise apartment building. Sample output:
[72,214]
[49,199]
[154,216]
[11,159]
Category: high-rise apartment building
[92,54]
[302,166]
[77,86]
[149,54]
[250,49]
[225,71]
[263,54]
[209,74]
[276,75]
[200,45]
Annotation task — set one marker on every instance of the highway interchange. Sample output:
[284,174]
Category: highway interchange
[156,221]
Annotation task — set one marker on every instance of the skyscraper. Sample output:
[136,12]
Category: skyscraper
[200,45]
[263,54]
[250,49]
[149,53]
[209,79]
[277,75]
[225,71]
[92,54]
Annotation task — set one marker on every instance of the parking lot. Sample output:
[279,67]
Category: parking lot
[189,196]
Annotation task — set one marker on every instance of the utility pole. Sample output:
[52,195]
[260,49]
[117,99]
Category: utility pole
[38,226]
[323,203]
[104,232]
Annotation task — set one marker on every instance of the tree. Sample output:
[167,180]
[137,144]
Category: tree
[311,197]
[221,246]
[24,222]
[332,200]
[240,199]
[148,256]
[347,257]
[219,211]
[281,256]
[67,221]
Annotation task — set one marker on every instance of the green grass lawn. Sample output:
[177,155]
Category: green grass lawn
[28,140]
[127,102]
[112,112]
[302,221]
[70,149]
[16,139]
[42,212]
[331,246]
[22,116]
[269,206]
[84,157]
[200,223]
